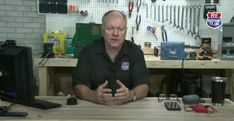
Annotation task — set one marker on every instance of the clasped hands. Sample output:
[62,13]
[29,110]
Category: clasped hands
[104,95]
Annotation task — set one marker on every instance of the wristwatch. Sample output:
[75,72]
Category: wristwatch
[134,96]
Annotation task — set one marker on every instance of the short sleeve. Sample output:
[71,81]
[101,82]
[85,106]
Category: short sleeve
[140,73]
[81,74]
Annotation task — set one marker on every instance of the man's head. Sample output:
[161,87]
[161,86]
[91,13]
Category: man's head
[114,28]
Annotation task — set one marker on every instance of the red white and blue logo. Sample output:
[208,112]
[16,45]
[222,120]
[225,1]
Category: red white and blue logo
[214,19]
[125,66]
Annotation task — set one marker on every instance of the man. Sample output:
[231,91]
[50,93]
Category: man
[111,58]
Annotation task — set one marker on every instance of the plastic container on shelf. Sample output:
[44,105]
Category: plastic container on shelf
[69,47]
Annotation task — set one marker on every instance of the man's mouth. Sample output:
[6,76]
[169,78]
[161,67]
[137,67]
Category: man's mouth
[115,40]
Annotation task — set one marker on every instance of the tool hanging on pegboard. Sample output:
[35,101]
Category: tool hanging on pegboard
[153,31]
[164,33]
[138,22]
[130,8]
[132,37]
[198,23]
[138,5]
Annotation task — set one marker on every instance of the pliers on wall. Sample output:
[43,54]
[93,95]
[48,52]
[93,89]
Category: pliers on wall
[130,7]
[138,5]
[138,22]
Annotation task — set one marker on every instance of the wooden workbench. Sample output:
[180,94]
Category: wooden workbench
[141,110]
[46,67]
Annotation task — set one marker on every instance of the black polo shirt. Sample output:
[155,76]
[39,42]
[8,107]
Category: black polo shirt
[94,66]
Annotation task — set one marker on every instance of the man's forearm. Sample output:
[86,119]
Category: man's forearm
[141,91]
[84,92]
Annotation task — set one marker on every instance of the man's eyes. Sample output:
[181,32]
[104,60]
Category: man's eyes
[113,28]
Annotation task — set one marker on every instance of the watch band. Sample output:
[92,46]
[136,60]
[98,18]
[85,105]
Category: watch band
[134,96]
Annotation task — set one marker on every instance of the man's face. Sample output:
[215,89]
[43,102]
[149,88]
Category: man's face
[114,31]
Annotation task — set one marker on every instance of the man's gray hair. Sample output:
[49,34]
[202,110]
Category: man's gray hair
[112,11]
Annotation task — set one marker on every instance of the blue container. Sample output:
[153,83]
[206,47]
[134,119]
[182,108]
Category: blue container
[172,51]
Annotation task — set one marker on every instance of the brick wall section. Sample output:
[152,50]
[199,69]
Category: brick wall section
[20,21]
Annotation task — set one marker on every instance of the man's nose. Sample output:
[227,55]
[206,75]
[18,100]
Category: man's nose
[116,31]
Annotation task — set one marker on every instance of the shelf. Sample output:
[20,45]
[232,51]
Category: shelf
[151,62]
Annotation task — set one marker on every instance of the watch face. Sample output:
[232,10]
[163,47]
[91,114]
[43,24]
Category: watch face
[134,95]
[134,98]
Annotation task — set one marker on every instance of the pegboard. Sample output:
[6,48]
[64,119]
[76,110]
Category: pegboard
[96,9]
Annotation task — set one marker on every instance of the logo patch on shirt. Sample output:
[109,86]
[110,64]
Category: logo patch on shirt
[125,66]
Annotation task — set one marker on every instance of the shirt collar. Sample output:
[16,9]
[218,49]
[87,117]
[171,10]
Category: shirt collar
[125,49]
